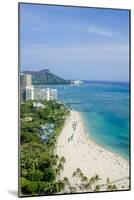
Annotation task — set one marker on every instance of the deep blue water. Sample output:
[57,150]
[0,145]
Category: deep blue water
[105,109]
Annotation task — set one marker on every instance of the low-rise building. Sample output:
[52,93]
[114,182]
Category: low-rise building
[40,94]
[38,105]
[76,82]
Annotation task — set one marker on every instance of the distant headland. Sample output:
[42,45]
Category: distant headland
[45,77]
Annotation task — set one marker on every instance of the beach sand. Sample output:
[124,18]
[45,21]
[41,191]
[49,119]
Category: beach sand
[81,152]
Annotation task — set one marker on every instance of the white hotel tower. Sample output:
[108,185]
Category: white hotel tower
[29,92]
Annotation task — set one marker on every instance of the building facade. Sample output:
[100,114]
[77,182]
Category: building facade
[29,92]
[25,80]
[40,94]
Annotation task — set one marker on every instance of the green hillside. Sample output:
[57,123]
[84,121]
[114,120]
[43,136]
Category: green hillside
[45,77]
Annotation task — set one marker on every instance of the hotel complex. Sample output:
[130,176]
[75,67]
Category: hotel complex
[76,82]
[29,92]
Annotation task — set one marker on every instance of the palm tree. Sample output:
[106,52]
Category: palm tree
[84,184]
[79,172]
[92,180]
[78,175]
[88,186]
[74,175]
[57,157]
[51,145]
[91,183]
[72,189]
[57,170]
[81,187]
[97,188]
[97,178]
[84,178]
[107,181]
[61,186]
[67,184]
[66,180]
[114,188]
[60,166]
[111,187]
[62,160]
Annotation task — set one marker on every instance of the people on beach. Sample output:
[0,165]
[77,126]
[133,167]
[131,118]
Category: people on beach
[74,125]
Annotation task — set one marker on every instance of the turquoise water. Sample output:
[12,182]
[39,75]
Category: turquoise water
[105,109]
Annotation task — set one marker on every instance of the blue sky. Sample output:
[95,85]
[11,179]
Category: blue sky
[75,43]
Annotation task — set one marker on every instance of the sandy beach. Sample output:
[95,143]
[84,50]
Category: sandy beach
[81,152]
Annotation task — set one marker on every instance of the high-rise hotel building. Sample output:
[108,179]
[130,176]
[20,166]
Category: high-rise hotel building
[25,80]
[29,92]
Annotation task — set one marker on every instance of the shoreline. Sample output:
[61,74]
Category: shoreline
[82,152]
[101,146]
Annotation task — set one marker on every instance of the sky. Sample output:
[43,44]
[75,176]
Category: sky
[75,43]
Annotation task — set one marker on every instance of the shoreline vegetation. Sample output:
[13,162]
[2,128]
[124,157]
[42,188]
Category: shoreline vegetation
[56,157]
[39,165]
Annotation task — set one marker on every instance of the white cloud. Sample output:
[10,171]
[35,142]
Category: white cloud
[101,31]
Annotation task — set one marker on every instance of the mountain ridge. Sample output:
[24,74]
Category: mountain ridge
[45,77]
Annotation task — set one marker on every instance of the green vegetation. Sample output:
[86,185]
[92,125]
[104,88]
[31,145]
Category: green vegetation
[82,183]
[45,77]
[40,166]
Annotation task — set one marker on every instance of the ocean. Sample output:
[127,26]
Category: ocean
[105,109]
